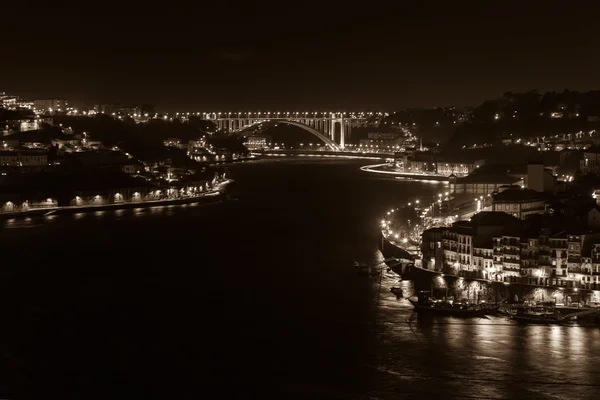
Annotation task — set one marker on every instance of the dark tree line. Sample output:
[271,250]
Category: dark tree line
[145,140]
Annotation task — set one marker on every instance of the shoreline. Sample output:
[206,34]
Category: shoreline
[478,289]
[376,169]
[459,285]
[208,197]
[348,156]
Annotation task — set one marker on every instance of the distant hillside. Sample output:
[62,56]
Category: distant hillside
[530,114]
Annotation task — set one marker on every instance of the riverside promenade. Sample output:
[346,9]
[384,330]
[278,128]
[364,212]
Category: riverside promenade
[154,198]
[385,169]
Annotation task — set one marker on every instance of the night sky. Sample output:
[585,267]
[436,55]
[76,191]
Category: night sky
[242,56]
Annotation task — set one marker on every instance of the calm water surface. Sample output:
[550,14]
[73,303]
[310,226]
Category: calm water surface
[255,297]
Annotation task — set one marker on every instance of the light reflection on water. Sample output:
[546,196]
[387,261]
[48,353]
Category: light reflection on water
[491,358]
[290,295]
[32,222]
[27,223]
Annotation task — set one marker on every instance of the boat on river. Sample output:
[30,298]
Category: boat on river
[450,308]
[583,317]
[543,317]
[366,269]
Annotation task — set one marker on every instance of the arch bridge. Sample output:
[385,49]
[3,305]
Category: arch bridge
[333,128]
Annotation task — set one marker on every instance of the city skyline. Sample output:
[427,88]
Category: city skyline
[257,57]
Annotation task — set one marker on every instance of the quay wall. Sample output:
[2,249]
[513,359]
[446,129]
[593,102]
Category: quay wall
[477,289]
[118,199]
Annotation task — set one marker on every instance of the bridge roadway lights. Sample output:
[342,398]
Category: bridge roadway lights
[321,127]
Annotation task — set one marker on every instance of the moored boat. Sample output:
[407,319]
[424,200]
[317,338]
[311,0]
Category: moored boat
[366,269]
[543,317]
[449,308]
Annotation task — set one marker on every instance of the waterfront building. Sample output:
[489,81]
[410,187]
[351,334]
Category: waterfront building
[389,141]
[431,247]
[483,255]
[455,168]
[507,258]
[430,162]
[257,142]
[466,245]
[515,253]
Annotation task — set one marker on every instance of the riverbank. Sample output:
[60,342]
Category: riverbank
[217,194]
[470,286]
[347,156]
[384,169]
[475,289]
[397,232]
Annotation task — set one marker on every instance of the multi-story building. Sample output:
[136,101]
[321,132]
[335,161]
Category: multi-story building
[481,184]
[8,101]
[517,254]
[429,162]
[25,158]
[483,256]
[433,251]
[590,160]
[50,105]
[508,257]
[117,110]
[466,245]
[12,102]
[520,202]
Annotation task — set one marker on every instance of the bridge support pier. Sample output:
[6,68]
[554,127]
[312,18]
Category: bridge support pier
[332,130]
[342,134]
[342,131]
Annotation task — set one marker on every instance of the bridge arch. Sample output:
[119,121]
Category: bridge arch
[307,128]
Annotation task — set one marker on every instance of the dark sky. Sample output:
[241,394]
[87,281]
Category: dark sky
[309,56]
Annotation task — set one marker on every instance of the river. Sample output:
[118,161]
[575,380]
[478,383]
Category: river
[255,297]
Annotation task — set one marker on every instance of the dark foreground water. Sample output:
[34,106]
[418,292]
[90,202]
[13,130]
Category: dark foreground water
[254,298]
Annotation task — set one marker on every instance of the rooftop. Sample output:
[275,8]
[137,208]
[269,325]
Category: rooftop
[502,169]
[493,218]
[36,136]
[462,228]
[492,178]
[8,153]
[518,195]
